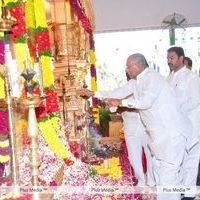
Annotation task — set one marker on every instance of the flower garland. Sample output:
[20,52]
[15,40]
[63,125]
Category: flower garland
[114,171]
[81,15]
[30,23]
[5,150]
[19,32]
[2,61]
[80,12]
[47,114]
[92,58]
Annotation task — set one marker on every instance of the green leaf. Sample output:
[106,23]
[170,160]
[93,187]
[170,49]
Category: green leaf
[3,108]
[12,4]
[41,29]
[92,171]
[52,87]
[45,53]
[21,39]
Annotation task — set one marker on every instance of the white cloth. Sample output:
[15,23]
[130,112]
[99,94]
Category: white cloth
[187,88]
[186,85]
[136,138]
[119,93]
[167,128]
[135,135]
[158,110]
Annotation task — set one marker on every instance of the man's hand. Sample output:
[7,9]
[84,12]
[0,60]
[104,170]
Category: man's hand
[86,93]
[114,102]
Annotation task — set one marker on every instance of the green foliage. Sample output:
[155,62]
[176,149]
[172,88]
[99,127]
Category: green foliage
[104,116]
[92,172]
[22,39]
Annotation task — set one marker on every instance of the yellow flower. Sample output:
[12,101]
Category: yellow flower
[4,159]
[21,126]
[1,13]
[2,88]
[10,1]
[4,144]
[92,57]
[40,16]
[29,14]
[114,171]
[55,121]
[48,78]
[52,139]
[22,54]
[93,84]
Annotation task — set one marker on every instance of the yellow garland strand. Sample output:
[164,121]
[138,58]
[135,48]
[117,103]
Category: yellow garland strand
[92,57]
[93,84]
[4,144]
[48,78]
[50,128]
[1,11]
[22,54]
[4,159]
[52,140]
[22,126]
[40,16]
[2,88]
[55,121]
[10,1]
[29,14]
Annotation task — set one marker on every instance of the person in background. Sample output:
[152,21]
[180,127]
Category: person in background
[188,62]
[186,85]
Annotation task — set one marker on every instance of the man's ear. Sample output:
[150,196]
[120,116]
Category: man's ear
[182,58]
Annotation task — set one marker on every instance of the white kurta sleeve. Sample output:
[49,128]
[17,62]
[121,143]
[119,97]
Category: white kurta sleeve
[149,93]
[119,93]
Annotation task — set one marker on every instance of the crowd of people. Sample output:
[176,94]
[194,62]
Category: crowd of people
[163,119]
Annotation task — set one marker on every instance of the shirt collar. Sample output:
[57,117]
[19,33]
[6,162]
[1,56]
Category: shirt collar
[139,76]
[183,69]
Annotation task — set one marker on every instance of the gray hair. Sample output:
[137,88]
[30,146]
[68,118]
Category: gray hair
[139,58]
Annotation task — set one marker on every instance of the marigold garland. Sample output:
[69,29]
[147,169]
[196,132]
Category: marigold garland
[47,114]
[40,16]
[48,79]
[30,23]
[52,139]
[4,143]
[2,61]
[19,32]
[92,56]
[21,54]
[2,88]
[4,125]
[4,159]
[30,15]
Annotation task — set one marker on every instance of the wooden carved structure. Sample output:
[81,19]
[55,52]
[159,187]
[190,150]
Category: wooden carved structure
[70,48]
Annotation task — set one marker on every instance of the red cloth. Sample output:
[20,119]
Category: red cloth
[144,161]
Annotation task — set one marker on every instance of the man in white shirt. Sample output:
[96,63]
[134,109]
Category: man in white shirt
[135,135]
[167,129]
[187,89]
